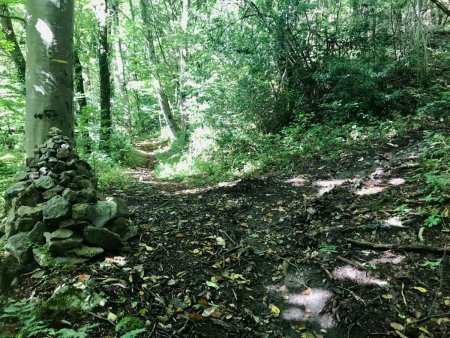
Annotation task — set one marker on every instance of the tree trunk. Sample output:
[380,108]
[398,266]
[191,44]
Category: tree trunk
[183,65]
[83,116]
[105,75]
[120,69]
[49,85]
[10,36]
[162,97]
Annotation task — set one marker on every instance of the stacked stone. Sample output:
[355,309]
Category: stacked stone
[54,214]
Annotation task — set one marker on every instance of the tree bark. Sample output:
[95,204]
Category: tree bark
[10,36]
[105,78]
[49,78]
[160,93]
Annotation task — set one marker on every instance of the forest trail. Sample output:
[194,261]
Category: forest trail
[281,255]
[284,256]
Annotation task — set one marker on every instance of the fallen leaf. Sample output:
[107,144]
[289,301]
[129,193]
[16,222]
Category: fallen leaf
[203,301]
[443,320]
[397,326]
[424,329]
[83,278]
[283,289]
[307,292]
[220,241]
[195,316]
[420,289]
[112,316]
[275,310]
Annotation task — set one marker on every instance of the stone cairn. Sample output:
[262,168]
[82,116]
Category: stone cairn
[54,215]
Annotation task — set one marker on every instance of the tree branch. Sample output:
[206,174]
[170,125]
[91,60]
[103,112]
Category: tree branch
[441,6]
[12,17]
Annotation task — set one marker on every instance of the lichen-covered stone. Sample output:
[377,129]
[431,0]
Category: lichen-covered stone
[102,237]
[62,246]
[87,251]
[20,247]
[56,208]
[61,234]
[44,183]
[36,235]
[82,211]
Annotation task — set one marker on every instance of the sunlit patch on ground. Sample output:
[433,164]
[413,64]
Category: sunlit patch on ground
[308,307]
[296,181]
[350,273]
[394,222]
[397,181]
[369,191]
[388,257]
[228,184]
[325,186]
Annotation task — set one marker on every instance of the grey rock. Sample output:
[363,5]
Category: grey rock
[57,190]
[62,246]
[87,251]
[87,195]
[45,183]
[102,237]
[21,176]
[16,189]
[61,234]
[36,235]
[70,195]
[20,247]
[131,232]
[62,153]
[56,208]
[83,211]
[9,269]
[76,225]
[106,211]
[33,212]
[30,197]
[119,225]
[24,224]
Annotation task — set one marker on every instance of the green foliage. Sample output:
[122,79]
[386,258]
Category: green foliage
[435,173]
[21,319]
[133,326]
[109,172]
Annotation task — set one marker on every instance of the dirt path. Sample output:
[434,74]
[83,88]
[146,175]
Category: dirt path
[273,257]
[277,257]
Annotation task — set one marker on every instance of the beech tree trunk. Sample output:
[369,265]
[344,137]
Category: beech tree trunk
[160,93]
[49,78]
[183,66]
[120,75]
[10,36]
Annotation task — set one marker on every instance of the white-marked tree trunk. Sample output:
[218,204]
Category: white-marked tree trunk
[49,87]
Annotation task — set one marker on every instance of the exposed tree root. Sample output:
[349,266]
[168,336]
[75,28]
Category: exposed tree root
[412,247]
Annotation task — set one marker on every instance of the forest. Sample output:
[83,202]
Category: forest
[225,168]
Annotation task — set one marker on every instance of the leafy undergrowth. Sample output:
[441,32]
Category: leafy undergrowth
[355,247]
[213,158]
[10,164]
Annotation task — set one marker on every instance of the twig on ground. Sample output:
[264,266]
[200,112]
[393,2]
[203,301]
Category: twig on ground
[412,247]
[354,263]
[102,318]
[327,272]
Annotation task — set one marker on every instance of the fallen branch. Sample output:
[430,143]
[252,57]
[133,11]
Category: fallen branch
[412,247]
